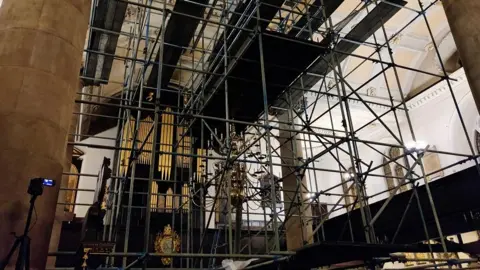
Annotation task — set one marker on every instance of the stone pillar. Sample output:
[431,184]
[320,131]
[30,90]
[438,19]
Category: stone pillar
[464,23]
[60,214]
[41,44]
[298,229]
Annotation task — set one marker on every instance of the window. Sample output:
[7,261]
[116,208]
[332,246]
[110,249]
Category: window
[477,141]
[394,170]
[351,200]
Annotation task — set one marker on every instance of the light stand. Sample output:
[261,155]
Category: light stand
[23,242]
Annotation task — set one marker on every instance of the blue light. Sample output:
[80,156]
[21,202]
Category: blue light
[48,182]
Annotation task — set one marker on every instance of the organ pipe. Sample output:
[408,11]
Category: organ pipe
[166,139]
[183,148]
[200,164]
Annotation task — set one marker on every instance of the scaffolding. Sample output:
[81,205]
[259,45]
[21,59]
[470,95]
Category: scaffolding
[143,140]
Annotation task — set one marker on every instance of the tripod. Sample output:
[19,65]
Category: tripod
[22,243]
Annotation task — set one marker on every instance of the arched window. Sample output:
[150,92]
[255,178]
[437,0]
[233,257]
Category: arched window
[351,194]
[477,141]
[71,193]
[394,177]
[387,170]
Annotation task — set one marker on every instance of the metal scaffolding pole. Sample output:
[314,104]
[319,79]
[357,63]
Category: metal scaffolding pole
[206,70]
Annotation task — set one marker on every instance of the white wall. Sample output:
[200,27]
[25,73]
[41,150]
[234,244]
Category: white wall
[92,162]
[434,120]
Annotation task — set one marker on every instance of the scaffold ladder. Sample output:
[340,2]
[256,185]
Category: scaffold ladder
[215,245]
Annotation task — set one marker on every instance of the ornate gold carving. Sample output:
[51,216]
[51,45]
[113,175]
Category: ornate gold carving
[85,257]
[410,256]
[150,96]
[372,91]
[167,242]
[396,39]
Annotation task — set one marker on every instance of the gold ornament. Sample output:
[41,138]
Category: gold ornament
[167,242]
[150,96]
[85,257]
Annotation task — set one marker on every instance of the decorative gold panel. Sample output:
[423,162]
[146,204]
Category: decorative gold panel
[167,242]
[410,256]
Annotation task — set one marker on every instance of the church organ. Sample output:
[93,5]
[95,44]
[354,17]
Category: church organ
[176,177]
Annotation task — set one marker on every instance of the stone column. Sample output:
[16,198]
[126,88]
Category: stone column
[464,23]
[298,229]
[41,44]
[60,214]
